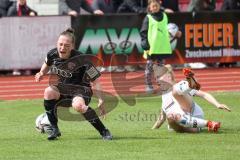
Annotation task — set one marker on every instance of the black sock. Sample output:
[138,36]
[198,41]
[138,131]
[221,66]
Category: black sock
[51,111]
[93,118]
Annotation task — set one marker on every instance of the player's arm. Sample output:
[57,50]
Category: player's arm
[98,88]
[93,74]
[160,121]
[208,97]
[44,70]
[100,95]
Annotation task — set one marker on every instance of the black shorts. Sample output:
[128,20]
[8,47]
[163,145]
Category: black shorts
[68,100]
[68,92]
[159,57]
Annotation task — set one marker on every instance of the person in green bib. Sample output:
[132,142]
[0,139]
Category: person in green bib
[154,40]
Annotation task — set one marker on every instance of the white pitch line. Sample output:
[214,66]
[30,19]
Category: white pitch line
[134,90]
[127,76]
[122,85]
[227,79]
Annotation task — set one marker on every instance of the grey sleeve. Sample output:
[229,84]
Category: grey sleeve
[63,8]
[144,34]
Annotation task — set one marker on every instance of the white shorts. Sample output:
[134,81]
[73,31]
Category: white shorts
[175,108]
[197,111]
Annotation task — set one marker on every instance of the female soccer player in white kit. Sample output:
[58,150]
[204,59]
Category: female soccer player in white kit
[178,107]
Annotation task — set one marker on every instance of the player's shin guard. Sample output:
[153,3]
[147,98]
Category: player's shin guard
[92,117]
[51,111]
[192,122]
[182,87]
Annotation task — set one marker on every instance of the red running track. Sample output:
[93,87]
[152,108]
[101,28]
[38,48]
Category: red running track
[216,79]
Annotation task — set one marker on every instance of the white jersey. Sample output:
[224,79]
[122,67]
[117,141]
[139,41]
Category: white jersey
[170,105]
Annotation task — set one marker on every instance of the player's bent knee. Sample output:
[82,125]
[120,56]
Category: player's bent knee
[183,120]
[177,117]
[80,108]
[51,93]
[170,120]
[175,126]
[79,105]
[174,117]
[170,117]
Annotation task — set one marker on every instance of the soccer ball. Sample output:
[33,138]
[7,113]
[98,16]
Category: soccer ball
[42,124]
[173,29]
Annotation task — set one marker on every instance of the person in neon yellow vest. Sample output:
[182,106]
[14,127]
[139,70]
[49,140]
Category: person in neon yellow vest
[155,39]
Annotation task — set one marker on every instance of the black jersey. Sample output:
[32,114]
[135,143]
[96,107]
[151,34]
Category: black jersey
[76,70]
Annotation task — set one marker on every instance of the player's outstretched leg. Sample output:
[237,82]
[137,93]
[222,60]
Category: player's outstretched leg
[188,121]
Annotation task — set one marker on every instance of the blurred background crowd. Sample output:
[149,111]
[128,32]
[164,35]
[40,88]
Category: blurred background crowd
[76,7]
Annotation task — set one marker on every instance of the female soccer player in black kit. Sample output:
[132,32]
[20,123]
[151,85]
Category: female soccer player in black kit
[74,76]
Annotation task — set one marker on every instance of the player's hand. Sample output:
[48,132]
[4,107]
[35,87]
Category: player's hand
[102,108]
[157,124]
[72,13]
[145,54]
[224,107]
[38,76]
[98,12]
[32,14]
[168,10]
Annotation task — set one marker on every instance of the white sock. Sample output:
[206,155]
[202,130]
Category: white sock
[182,87]
[192,122]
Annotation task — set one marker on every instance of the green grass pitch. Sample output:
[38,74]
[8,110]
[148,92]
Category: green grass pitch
[131,128]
